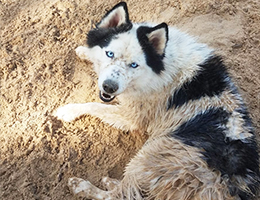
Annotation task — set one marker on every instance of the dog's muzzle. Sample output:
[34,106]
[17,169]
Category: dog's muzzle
[109,87]
[105,97]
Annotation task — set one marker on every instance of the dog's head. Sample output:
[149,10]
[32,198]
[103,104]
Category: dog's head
[127,57]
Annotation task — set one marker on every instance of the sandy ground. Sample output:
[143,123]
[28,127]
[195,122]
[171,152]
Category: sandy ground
[39,72]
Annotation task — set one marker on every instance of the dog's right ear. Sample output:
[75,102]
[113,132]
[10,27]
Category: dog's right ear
[114,22]
[115,17]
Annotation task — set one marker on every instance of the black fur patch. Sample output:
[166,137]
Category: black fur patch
[103,36]
[153,59]
[206,131]
[211,80]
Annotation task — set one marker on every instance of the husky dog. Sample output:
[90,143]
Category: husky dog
[201,142]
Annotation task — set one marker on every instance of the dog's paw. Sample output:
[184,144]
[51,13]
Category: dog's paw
[79,185]
[110,183]
[68,112]
[82,52]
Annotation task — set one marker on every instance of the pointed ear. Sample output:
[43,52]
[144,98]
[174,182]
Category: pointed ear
[158,37]
[117,16]
[153,42]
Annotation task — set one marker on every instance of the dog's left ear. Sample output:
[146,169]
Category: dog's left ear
[115,17]
[153,41]
[158,37]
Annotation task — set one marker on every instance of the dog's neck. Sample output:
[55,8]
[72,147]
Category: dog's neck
[144,110]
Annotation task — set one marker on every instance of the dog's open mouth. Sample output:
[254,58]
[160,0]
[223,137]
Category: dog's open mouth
[105,97]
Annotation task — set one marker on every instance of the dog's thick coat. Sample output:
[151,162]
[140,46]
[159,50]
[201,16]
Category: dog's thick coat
[201,146]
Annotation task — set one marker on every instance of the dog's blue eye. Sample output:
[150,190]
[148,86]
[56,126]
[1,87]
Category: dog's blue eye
[110,54]
[134,65]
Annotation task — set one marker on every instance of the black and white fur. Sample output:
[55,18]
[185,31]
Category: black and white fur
[201,145]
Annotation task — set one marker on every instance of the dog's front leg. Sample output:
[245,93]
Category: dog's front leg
[108,113]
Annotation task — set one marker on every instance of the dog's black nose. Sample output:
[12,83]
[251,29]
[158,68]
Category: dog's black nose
[110,86]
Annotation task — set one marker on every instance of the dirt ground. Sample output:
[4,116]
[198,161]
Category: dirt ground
[39,72]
